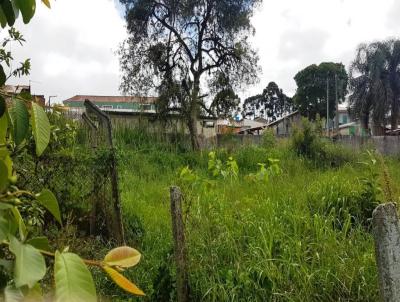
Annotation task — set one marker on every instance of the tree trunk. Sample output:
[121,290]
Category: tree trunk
[365,120]
[193,115]
[194,139]
[395,114]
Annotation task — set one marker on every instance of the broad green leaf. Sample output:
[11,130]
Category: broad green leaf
[3,76]
[123,256]
[27,8]
[3,128]
[15,8]
[29,265]
[123,282]
[5,206]
[20,117]
[47,3]
[41,243]
[5,157]
[3,176]
[40,128]
[8,227]
[47,199]
[8,12]
[12,294]
[21,224]
[74,283]
[3,19]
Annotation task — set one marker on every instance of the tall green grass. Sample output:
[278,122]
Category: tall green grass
[295,238]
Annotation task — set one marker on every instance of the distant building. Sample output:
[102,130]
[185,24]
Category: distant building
[231,126]
[284,126]
[122,104]
[344,116]
[18,89]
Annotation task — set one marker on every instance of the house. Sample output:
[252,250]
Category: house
[284,125]
[239,127]
[344,116]
[139,113]
[17,89]
[121,104]
[173,124]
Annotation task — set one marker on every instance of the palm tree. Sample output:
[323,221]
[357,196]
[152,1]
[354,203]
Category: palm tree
[392,52]
[371,89]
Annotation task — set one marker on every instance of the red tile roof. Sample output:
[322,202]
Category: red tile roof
[112,99]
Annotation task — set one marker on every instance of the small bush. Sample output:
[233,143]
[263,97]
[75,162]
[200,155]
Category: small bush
[269,139]
[307,141]
[343,198]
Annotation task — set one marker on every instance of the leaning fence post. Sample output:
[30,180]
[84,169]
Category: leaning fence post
[386,231]
[178,232]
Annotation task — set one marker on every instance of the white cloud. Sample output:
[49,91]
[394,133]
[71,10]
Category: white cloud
[292,34]
[72,46]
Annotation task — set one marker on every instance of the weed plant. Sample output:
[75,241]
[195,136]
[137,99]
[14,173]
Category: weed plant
[299,236]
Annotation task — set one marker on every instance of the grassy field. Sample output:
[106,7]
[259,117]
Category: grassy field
[303,235]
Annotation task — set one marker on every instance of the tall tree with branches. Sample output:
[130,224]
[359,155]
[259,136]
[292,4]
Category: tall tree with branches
[375,83]
[271,104]
[177,48]
[311,94]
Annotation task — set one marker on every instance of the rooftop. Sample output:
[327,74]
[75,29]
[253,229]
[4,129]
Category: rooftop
[111,99]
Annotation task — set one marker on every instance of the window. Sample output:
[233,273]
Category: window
[344,119]
[107,107]
[208,124]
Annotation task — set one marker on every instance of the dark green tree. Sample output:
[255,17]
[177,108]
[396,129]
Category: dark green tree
[226,101]
[311,94]
[176,47]
[271,104]
[375,83]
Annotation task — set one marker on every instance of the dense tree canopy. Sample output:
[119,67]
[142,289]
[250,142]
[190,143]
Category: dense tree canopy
[175,48]
[375,83]
[271,104]
[311,94]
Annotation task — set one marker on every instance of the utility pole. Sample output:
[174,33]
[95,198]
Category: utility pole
[327,107]
[51,96]
[337,106]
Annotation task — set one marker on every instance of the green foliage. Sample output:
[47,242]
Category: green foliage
[374,82]
[268,169]
[350,202]
[311,92]
[228,170]
[73,280]
[272,103]
[250,240]
[269,139]
[29,266]
[20,121]
[161,53]
[25,124]
[40,128]
[47,199]
[307,141]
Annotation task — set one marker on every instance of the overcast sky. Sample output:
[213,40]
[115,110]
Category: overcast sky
[72,46]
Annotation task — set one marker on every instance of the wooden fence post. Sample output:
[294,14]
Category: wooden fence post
[386,231]
[178,231]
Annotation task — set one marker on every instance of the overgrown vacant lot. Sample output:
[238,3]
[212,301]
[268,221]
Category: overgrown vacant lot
[303,234]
